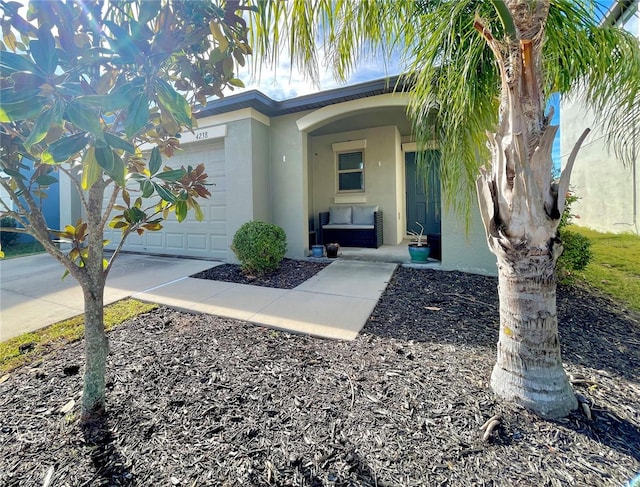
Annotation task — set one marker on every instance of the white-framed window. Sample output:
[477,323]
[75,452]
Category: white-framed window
[351,171]
[350,166]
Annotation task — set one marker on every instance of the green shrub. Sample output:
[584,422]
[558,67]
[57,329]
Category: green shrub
[577,248]
[577,251]
[8,238]
[259,246]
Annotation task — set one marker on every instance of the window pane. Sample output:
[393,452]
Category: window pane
[351,181]
[350,160]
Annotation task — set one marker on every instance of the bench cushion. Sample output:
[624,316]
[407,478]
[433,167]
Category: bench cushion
[331,226]
[340,215]
[363,215]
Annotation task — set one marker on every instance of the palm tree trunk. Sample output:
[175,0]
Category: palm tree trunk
[521,208]
[529,369]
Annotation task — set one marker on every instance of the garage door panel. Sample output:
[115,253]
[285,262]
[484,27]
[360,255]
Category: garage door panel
[197,241]
[192,238]
[218,213]
[155,240]
[174,241]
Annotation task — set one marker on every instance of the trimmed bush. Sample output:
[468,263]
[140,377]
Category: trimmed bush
[8,238]
[260,247]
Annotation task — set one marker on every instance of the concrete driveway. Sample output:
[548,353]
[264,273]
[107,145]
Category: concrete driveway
[33,294]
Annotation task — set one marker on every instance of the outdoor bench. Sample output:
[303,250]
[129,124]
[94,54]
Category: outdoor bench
[352,226]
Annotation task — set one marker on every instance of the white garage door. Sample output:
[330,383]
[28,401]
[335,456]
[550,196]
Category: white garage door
[190,238]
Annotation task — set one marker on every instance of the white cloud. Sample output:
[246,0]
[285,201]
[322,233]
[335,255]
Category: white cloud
[282,83]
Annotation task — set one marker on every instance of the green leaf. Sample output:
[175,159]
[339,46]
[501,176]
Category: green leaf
[174,102]
[112,102]
[164,193]
[118,143]
[46,180]
[198,211]
[236,82]
[135,215]
[14,174]
[91,171]
[105,158]
[122,43]
[181,210]
[10,95]
[119,171]
[505,17]
[146,187]
[84,117]
[43,51]
[26,110]
[148,10]
[137,116]
[70,88]
[62,149]
[40,129]
[11,63]
[155,161]
[172,175]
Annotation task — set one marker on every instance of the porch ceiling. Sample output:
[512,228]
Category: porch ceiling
[377,117]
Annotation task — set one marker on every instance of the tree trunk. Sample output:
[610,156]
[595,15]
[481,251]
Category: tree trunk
[93,281]
[521,208]
[96,349]
[529,369]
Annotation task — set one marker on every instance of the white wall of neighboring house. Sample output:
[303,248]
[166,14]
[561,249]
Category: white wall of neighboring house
[609,191]
[4,197]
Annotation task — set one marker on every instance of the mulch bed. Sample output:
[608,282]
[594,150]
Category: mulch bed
[290,274]
[202,400]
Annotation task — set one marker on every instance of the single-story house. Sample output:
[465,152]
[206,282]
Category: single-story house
[608,190]
[287,161]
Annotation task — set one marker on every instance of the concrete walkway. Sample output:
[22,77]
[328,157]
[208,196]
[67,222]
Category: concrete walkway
[335,303]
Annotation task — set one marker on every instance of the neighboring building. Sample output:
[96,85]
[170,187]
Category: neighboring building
[50,205]
[286,161]
[608,189]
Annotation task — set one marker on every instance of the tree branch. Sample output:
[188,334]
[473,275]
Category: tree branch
[109,208]
[76,185]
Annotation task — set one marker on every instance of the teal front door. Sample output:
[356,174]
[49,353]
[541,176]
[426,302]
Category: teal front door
[423,201]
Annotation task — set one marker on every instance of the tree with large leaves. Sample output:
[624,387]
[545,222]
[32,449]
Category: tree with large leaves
[98,92]
[485,69]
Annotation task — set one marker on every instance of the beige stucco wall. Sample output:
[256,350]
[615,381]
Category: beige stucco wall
[289,190]
[466,251]
[382,165]
[606,187]
[401,199]
[247,164]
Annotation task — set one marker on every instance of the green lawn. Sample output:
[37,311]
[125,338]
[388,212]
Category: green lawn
[31,347]
[615,267]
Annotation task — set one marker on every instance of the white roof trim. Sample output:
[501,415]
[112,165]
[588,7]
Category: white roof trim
[324,115]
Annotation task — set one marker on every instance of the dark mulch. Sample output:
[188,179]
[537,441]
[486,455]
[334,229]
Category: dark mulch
[291,273]
[201,400]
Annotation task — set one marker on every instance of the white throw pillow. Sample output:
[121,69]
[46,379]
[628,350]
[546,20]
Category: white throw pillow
[340,215]
[364,215]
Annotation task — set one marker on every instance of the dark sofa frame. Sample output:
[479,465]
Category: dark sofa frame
[371,238]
